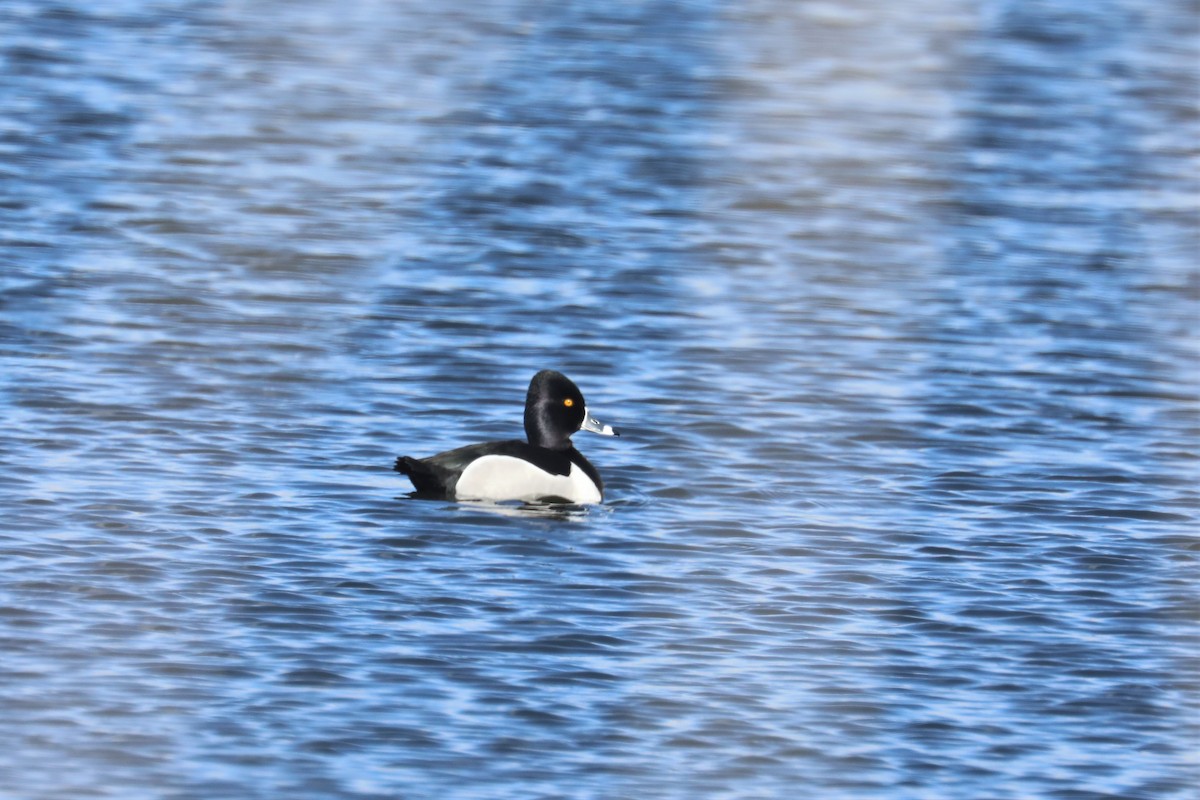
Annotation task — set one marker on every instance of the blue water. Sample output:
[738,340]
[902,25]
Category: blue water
[894,305]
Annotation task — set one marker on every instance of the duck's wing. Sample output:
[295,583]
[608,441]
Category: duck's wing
[438,475]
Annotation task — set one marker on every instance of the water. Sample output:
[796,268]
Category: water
[895,308]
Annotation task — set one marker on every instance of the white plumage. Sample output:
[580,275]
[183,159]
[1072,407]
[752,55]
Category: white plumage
[506,478]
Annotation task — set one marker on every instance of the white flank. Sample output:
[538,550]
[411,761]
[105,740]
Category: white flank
[508,478]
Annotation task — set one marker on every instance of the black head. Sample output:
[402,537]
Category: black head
[554,409]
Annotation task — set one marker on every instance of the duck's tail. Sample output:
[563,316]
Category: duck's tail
[423,478]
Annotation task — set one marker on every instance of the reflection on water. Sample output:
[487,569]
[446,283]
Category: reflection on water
[554,511]
[894,307]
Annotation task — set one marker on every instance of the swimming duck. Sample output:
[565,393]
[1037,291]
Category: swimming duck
[546,468]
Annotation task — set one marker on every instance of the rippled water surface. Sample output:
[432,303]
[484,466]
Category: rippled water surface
[894,303]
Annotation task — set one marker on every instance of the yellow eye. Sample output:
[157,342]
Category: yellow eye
[568,402]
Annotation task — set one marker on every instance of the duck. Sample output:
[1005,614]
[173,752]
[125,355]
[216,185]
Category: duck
[545,468]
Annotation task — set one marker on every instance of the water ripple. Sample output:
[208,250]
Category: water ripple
[894,307]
